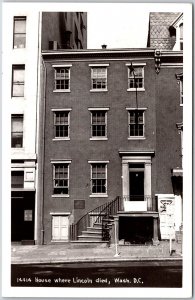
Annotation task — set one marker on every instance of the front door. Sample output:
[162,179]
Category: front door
[136,184]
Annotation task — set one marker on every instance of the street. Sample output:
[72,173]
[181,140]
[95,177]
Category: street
[112,274]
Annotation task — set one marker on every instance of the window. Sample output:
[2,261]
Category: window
[99,178]
[19,32]
[136,77]
[60,227]
[61,178]
[181,36]
[17,131]
[99,124]
[61,124]
[18,80]
[17,179]
[136,123]
[62,79]
[99,78]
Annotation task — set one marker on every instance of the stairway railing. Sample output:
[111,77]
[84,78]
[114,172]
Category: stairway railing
[94,216]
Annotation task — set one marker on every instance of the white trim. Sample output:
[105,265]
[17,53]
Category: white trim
[68,161]
[98,161]
[99,65]
[98,139]
[60,213]
[61,139]
[134,108]
[98,90]
[61,109]
[130,153]
[134,89]
[61,91]
[60,196]
[98,195]
[137,138]
[135,64]
[98,108]
[62,66]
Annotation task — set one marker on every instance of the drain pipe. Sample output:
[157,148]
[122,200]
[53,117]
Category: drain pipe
[43,151]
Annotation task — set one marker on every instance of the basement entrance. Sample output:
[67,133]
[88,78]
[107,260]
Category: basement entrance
[136,230]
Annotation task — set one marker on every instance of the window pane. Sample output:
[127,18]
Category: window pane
[17,179]
[20,25]
[19,32]
[18,75]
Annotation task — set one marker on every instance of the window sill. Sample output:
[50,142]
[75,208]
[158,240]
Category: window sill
[98,139]
[60,196]
[98,195]
[98,90]
[61,91]
[136,138]
[61,139]
[181,105]
[134,89]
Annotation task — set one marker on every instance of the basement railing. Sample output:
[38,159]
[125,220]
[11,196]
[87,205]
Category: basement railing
[95,216]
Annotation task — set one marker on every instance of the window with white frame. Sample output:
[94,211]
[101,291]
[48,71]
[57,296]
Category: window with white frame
[99,78]
[99,124]
[99,178]
[19,37]
[18,72]
[136,123]
[61,124]
[61,178]
[62,78]
[136,77]
[17,131]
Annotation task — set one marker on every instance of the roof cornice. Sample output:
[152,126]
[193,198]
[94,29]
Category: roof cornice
[144,52]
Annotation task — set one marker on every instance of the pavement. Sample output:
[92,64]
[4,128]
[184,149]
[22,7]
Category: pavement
[69,253]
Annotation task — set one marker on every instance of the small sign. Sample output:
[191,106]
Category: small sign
[28,215]
[79,204]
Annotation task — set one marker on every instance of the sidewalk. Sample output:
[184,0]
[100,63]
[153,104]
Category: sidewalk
[66,253]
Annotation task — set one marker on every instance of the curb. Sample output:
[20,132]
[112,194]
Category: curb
[92,260]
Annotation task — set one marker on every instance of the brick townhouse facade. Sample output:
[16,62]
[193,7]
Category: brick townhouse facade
[109,147]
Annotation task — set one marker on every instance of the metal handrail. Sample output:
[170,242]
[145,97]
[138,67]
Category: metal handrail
[84,221]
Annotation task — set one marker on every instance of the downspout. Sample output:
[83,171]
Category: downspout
[43,151]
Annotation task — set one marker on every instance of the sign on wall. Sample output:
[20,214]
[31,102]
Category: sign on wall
[166,208]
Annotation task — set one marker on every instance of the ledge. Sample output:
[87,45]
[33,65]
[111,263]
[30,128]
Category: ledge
[61,91]
[136,138]
[98,90]
[138,90]
[98,196]
[99,139]
[61,139]
[60,196]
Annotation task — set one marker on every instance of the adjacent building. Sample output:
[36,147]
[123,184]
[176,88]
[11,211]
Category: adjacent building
[108,144]
[165,31]
[26,34]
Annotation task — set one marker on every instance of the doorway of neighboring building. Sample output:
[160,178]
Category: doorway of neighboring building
[22,216]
